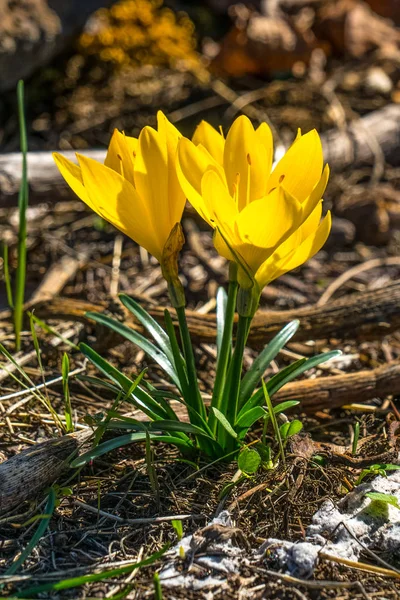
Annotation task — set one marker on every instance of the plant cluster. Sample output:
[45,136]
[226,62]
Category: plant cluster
[266,221]
[141,32]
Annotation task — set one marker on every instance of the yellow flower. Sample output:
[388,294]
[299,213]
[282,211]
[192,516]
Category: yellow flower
[137,189]
[267,221]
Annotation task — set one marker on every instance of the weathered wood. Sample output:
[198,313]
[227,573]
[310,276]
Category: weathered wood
[369,315]
[338,390]
[342,149]
[26,474]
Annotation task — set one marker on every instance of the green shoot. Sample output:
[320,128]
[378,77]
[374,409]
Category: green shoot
[158,595]
[23,205]
[67,396]
[7,278]
[178,528]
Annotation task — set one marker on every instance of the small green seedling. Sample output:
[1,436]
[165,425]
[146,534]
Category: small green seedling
[379,506]
[376,470]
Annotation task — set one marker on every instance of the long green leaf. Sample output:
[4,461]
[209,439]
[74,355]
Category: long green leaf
[140,398]
[43,524]
[124,440]
[139,340]
[150,324]
[72,582]
[282,378]
[254,374]
[178,360]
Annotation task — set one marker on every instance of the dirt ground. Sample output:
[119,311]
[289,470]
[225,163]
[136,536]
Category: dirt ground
[66,235]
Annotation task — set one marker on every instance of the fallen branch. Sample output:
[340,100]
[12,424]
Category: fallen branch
[26,474]
[371,314]
[353,147]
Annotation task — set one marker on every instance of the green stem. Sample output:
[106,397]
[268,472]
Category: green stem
[197,401]
[230,397]
[225,353]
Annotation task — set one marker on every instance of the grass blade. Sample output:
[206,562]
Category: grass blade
[43,524]
[7,278]
[22,206]
[67,396]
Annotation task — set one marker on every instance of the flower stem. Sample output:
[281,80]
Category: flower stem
[197,402]
[225,354]
[231,393]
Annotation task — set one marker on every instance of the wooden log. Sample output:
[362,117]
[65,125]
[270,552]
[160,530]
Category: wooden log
[369,315]
[338,390]
[26,474]
[354,147]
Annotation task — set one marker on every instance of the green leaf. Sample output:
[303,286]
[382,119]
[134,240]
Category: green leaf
[155,330]
[178,360]
[298,368]
[41,529]
[283,406]
[222,300]
[139,398]
[386,498]
[124,440]
[249,461]
[160,425]
[139,340]
[224,422]
[254,374]
[290,428]
[251,416]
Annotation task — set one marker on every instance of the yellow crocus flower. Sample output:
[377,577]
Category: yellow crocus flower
[268,221]
[136,189]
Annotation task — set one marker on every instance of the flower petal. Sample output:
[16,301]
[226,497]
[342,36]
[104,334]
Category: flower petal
[176,197]
[277,265]
[264,134]
[151,180]
[121,154]
[193,161]
[73,176]
[300,168]
[316,194]
[211,139]
[117,201]
[267,222]
[245,160]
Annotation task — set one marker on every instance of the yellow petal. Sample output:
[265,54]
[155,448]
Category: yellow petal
[220,206]
[265,136]
[316,194]
[121,154]
[300,168]
[211,139]
[176,197]
[151,180]
[73,176]
[245,160]
[117,201]
[193,161]
[270,220]
[278,264]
